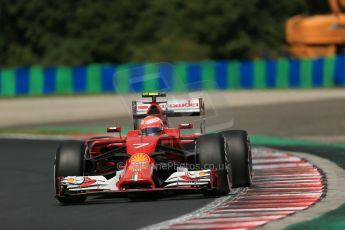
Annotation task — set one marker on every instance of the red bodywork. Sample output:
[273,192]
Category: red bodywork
[136,145]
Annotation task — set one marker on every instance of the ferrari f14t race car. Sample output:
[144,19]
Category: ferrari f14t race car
[154,157]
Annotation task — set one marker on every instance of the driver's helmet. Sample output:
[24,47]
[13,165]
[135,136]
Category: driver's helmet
[151,126]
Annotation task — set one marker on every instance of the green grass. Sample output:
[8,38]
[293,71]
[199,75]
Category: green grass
[278,141]
[331,220]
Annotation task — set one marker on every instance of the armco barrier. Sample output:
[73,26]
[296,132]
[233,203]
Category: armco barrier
[179,76]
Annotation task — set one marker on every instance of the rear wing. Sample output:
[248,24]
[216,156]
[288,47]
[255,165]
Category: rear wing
[171,107]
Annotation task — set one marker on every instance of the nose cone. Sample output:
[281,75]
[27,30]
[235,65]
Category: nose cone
[138,172]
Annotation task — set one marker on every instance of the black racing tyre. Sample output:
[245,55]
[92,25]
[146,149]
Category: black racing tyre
[69,161]
[210,153]
[240,155]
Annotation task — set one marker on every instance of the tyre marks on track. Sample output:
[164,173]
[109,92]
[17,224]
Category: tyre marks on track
[283,184]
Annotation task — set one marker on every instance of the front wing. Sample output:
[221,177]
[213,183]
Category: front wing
[88,185]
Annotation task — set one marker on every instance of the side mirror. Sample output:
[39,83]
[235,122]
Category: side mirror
[114,130]
[185,126]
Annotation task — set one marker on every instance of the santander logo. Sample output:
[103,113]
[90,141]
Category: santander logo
[177,104]
[186,104]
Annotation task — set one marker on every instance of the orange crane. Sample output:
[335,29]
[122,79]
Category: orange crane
[319,35]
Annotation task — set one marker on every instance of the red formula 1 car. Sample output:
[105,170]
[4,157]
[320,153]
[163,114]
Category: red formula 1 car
[154,157]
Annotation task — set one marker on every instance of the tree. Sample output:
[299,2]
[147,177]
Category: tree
[77,32]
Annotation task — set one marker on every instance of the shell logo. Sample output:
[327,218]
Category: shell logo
[202,173]
[71,180]
[139,157]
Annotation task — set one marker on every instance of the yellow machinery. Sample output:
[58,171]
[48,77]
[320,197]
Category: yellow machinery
[319,35]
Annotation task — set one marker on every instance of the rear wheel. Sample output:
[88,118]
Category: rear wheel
[69,161]
[210,153]
[240,155]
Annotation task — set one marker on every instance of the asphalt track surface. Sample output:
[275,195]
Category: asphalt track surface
[27,196]
[26,169]
[27,200]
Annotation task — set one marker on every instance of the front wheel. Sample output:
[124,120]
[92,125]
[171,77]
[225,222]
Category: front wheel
[69,161]
[240,155]
[210,154]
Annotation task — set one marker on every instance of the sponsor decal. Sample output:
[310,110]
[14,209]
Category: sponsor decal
[135,177]
[185,104]
[71,180]
[202,173]
[187,178]
[193,175]
[139,161]
[173,105]
[143,107]
[137,146]
[74,180]
[139,157]
[188,104]
[88,181]
[138,166]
